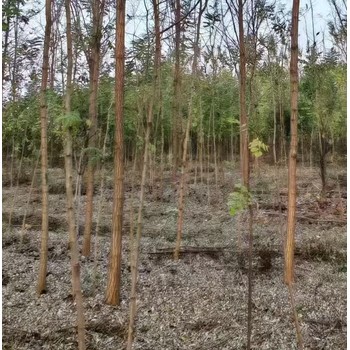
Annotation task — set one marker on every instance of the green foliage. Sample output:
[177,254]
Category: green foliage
[70,120]
[11,9]
[323,97]
[257,148]
[94,154]
[239,199]
[152,148]
[215,105]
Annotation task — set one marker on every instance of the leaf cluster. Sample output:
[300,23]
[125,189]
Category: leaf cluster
[239,199]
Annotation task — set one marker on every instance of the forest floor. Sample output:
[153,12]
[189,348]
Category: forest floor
[199,302]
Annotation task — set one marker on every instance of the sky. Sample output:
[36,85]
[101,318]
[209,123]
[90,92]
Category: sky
[322,14]
[321,9]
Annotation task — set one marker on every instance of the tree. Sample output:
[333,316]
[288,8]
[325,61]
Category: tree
[136,248]
[338,28]
[176,124]
[196,53]
[113,286]
[68,122]
[94,69]
[292,185]
[244,155]
[44,185]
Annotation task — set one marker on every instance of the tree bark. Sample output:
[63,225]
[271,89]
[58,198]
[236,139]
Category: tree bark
[113,284]
[244,152]
[176,124]
[244,156]
[292,185]
[68,162]
[44,185]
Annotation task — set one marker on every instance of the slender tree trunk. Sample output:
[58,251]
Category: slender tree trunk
[44,185]
[113,285]
[214,149]
[14,65]
[196,54]
[289,258]
[28,200]
[97,13]
[244,155]
[274,131]
[131,217]
[201,138]
[12,163]
[19,172]
[136,248]
[292,185]
[232,145]
[101,196]
[5,48]
[323,153]
[302,148]
[195,162]
[176,124]
[283,135]
[161,190]
[182,188]
[311,145]
[274,114]
[77,195]
[208,166]
[53,49]
[242,101]
[68,160]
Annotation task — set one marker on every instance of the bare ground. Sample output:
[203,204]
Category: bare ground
[196,303]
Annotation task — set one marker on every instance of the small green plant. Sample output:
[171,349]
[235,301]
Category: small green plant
[239,199]
[257,148]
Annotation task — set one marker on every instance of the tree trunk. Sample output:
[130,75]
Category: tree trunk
[214,149]
[97,13]
[113,286]
[5,48]
[244,152]
[182,183]
[182,187]
[292,185]
[176,124]
[323,153]
[101,197]
[201,140]
[136,248]
[44,185]
[19,172]
[244,156]
[28,200]
[289,258]
[68,162]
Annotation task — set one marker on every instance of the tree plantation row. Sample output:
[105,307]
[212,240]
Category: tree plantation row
[195,86]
